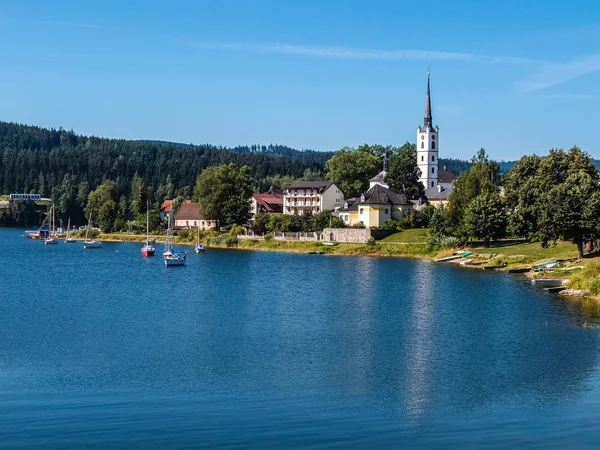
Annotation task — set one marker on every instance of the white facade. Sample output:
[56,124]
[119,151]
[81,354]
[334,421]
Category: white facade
[427,155]
[309,198]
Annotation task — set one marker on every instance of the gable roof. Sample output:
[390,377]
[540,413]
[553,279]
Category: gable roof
[189,211]
[379,177]
[321,186]
[445,176]
[166,206]
[271,202]
[379,195]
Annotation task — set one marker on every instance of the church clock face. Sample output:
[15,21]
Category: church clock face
[433,137]
[422,137]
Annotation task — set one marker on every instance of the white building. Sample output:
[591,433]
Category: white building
[438,184]
[311,197]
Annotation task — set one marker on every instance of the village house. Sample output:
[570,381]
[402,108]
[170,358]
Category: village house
[166,208]
[311,197]
[376,206]
[266,203]
[190,216]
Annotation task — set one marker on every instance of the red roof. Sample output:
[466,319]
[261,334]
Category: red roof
[166,206]
[271,202]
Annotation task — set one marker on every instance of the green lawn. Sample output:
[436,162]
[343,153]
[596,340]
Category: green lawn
[416,235]
[534,250]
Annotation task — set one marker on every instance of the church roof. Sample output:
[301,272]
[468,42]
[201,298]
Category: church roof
[379,195]
[428,122]
[445,176]
[379,177]
[321,186]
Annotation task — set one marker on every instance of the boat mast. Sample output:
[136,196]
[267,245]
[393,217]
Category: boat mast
[147,224]
[88,227]
[53,220]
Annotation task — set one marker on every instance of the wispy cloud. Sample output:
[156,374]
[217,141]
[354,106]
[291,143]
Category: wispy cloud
[546,75]
[358,53]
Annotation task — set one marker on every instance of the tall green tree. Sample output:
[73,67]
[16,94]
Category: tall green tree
[485,218]
[102,205]
[403,172]
[351,169]
[223,192]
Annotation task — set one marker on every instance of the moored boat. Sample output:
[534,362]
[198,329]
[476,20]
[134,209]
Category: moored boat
[69,239]
[147,249]
[91,243]
[51,239]
[171,257]
[199,247]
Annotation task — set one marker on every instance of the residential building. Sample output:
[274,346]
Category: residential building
[438,183]
[190,215]
[266,203]
[375,207]
[165,209]
[311,197]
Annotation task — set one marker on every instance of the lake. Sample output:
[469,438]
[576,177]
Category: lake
[103,348]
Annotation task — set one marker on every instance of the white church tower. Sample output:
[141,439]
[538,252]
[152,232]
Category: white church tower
[428,147]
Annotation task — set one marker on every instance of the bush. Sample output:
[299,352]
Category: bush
[268,237]
[231,241]
[371,242]
[359,225]
[184,235]
[237,230]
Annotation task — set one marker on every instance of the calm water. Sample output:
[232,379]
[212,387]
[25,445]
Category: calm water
[245,349]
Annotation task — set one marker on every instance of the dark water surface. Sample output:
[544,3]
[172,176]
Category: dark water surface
[104,349]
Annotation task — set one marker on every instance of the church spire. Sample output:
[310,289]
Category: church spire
[428,120]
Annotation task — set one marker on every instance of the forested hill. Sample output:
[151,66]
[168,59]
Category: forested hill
[68,166]
[273,150]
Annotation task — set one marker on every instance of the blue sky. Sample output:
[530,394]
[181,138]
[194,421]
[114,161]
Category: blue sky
[514,77]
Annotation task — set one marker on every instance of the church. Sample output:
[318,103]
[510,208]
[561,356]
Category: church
[438,183]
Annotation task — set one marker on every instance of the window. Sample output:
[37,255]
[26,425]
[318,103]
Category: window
[187,222]
[433,170]
[432,184]
[387,211]
[422,158]
[433,157]
[433,145]
[195,222]
[422,144]
[361,211]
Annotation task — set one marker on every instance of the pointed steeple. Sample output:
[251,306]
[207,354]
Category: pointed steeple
[428,123]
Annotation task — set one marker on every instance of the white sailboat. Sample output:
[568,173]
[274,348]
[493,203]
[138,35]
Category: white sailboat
[92,243]
[69,240]
[148,250]
[172,258]
[199,247]
[51,239]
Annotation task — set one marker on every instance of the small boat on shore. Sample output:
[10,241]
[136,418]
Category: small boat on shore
[545,265]
[466,262]
[448,258]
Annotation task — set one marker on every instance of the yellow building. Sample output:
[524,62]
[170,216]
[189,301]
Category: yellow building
[375,207]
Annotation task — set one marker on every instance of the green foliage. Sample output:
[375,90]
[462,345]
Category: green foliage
[358,225]
[268,237]
[371,242]
[485,218]
[481,179]
[231,241]
[587,279]
[337,222]
[403,172]
[102,205]
[223,192]
[555,197]
[260,225]
[351,169]
[237,230]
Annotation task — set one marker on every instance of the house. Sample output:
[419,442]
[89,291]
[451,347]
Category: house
[266,203]
[165,209]
[190,215]
[375,207]
[311,197]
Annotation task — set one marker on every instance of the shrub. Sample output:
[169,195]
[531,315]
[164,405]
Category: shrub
[359,225]
[268,237]
[237,230]
[231,241]
[184,235]
[371,242]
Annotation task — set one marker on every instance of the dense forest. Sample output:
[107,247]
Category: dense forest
[67,167]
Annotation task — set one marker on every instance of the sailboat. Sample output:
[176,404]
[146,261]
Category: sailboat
[199,247]
[69,240]
[171,257]
[51,239]
[148,250]
[92,243]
